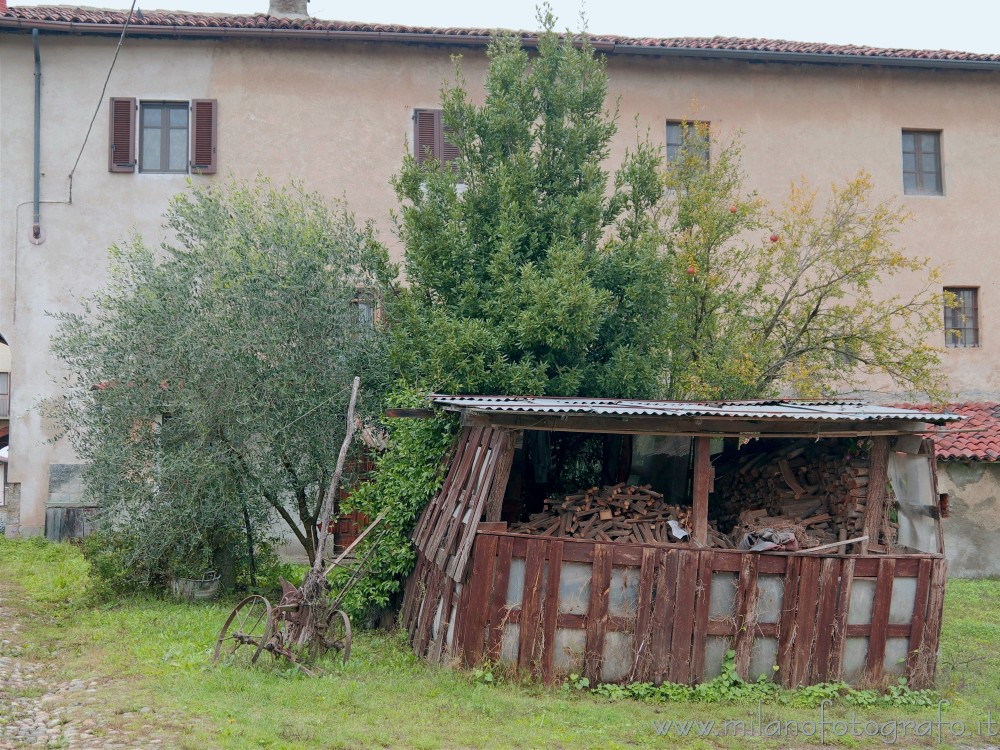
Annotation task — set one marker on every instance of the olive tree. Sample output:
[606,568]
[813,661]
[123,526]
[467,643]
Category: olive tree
[207,382]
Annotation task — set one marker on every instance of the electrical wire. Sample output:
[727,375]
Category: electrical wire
[100,100]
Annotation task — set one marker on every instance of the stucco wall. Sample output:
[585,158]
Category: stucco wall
[972,533]
[337,116]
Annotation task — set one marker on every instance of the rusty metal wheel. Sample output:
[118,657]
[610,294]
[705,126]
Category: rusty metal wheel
[338,633]
[249,624]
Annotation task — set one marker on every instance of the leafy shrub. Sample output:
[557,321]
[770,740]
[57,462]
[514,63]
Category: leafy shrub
[729,687]
[111,576]
[406,477]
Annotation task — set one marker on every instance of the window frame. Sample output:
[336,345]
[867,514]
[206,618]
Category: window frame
[439,150]
[918,161]
[366,306]
[165,106]
[685,127]
[969,315]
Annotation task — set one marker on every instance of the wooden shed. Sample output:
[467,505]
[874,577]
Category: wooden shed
[654,570]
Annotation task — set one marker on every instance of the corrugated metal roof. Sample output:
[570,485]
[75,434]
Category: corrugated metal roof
[829,410]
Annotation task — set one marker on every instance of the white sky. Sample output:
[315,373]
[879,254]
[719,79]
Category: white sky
[917,24]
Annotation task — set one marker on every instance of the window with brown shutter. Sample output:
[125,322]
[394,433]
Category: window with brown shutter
[430,137]
[121,139]
[204,118]
[175,137]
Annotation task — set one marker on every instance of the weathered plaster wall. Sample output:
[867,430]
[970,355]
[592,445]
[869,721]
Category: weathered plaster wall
[972,533]
[71,263]
[338,117]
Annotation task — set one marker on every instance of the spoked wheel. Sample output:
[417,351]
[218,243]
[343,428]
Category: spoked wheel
[338,633]
[249,625]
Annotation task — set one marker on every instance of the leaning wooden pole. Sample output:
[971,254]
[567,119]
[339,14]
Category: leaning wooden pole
[315,580]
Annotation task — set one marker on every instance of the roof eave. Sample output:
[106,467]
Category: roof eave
[807,57]
[481,40]
[150,30]
[691,426]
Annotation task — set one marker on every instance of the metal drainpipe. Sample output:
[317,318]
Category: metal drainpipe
[36,224]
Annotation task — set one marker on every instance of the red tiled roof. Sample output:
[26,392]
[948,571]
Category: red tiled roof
[178,22]
[980,443]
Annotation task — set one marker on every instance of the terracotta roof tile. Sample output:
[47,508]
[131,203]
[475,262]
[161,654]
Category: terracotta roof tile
[181,19]
[982,443]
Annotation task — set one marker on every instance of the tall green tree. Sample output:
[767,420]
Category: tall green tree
[531,269]
[208,382]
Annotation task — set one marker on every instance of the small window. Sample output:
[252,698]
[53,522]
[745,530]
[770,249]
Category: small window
[961,317]
[683,135]
[430,138]
[922,162]
[365,306]
[163,137]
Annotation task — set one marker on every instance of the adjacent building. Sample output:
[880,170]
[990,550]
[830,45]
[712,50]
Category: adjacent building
[104,116]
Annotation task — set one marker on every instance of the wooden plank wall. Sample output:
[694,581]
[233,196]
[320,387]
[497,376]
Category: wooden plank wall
[445,534]
[447,527]
[673,621]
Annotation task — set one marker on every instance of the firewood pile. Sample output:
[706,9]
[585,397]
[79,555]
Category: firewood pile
[819,490]
[622,513]
[816,490]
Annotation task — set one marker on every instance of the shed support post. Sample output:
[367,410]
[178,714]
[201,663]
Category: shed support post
[700,487]
[878,476]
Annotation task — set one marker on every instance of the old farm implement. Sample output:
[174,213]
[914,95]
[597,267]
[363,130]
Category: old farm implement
[299,627]
[308,620]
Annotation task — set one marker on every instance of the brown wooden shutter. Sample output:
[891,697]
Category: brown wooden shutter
[121,140]
[204,125]
[426,124]
[449,151]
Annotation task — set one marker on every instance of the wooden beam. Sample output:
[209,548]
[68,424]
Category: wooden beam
[877,478]
[699,489]
[689,426]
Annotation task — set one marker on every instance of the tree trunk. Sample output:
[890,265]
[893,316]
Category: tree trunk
[314,587]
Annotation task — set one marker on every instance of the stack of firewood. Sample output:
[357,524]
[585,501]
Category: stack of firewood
[818,489]
[787,481]
[625,513]
[621,513]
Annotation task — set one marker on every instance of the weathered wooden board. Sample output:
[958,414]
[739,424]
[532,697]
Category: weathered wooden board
[747,595]
[880,619]
[479,587]
[683,621]
[529,649]
[480,467]
[597,616]
[550,611]
[672,622]
[829,587]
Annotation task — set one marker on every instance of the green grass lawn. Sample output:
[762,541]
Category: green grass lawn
[154,653]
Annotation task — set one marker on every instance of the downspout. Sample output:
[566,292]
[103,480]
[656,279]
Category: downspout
[36,221]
